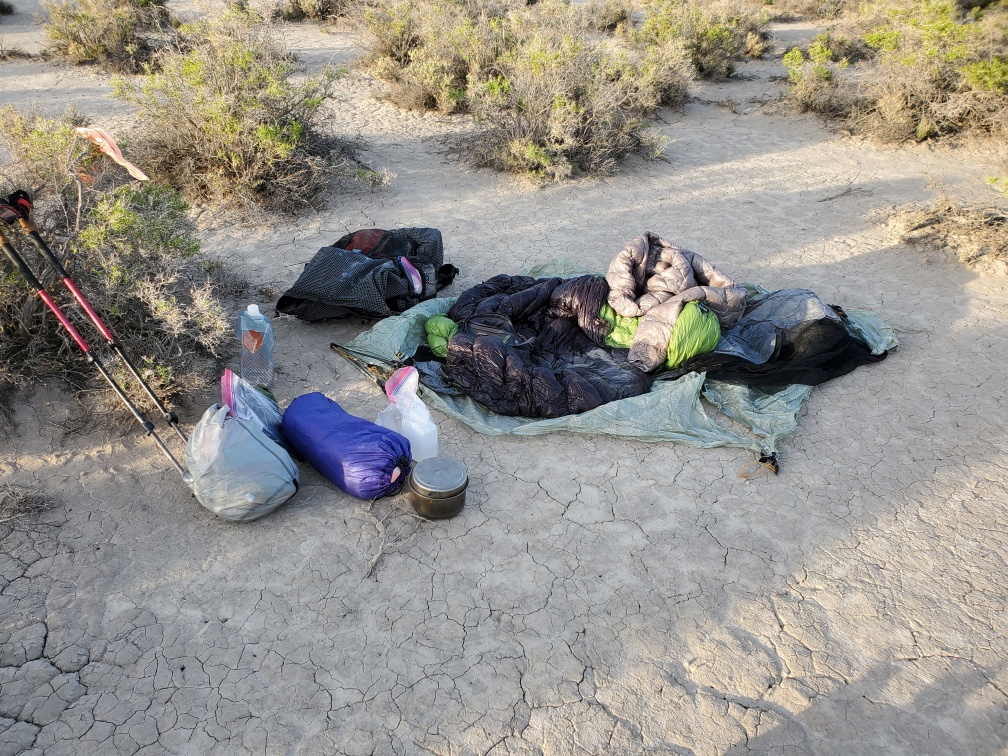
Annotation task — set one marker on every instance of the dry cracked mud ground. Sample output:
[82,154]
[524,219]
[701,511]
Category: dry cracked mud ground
[595,595]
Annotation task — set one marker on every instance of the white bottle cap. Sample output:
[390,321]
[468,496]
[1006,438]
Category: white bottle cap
[253,309]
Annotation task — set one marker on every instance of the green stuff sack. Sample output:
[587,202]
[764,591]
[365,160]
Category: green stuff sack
[623,328]
[696,331]
[439,332]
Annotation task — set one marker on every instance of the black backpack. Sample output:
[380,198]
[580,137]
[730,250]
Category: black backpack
[372,272]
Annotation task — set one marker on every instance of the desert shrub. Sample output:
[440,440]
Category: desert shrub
[6,9]
[932,71]
[714,35]
[315,10]
[429,52]
[550,98]
[121,35]
[788,10]
[838,47]
[228,117]
[46,158]
[812,79]
[938,73]
[609,15]
[131,249]
[21,502]
[560,106]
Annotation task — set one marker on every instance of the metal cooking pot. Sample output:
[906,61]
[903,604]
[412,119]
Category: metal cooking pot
[437,487]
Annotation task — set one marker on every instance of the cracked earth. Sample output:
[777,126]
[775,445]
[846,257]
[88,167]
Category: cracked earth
[595,595]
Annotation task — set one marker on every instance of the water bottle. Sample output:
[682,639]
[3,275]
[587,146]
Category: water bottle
[408,415]
[419,428]
[255,342]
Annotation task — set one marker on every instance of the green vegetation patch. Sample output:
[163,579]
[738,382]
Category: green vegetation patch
[130,247]
[121,35]
[231,117]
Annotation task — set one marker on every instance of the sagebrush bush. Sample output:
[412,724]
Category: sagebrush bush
[550,97]
[6,9]
[130,248]
[787,10]
[44,151]
[938,74]
[812,79]
[121,35]
[715,35]
[315,10]
[933,71]
[230,117]
[560,106]
[609,15]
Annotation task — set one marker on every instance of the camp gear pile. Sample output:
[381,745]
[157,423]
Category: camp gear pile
[518,335]
[653,280]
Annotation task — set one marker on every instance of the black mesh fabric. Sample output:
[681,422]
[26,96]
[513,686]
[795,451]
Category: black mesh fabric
[338,282]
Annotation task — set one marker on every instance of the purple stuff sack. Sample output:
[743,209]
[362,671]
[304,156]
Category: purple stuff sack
[362,458]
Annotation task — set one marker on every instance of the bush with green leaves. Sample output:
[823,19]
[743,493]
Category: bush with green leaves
[812,78]
[789,10]
[230,117]
[313,10]
[932,69]
[121,35]
[132,250]
[561,106]
[715,35]
[551,99]
[939,72]
[609,15]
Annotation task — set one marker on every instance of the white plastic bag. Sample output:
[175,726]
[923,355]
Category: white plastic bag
[408,415]
[235,469]
[249,403]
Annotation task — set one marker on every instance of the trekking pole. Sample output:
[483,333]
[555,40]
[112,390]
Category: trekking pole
[26,272]
[20,203]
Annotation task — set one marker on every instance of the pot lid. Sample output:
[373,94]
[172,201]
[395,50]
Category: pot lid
[439,477]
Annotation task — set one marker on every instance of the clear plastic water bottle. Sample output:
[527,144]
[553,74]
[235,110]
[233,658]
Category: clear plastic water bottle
[255,342]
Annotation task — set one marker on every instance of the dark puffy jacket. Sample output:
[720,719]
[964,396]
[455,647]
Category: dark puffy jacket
[555,363]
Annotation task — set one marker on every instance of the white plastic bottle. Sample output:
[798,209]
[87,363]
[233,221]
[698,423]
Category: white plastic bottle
[419,428]
[255,343]
[408,415]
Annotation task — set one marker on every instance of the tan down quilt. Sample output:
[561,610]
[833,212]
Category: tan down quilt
[653,279]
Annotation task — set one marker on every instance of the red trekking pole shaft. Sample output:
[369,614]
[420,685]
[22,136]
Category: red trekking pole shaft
[26,272]
[31,229]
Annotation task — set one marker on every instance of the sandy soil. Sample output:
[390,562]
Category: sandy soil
[595,595]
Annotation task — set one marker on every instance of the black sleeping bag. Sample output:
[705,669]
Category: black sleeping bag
[550,360]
